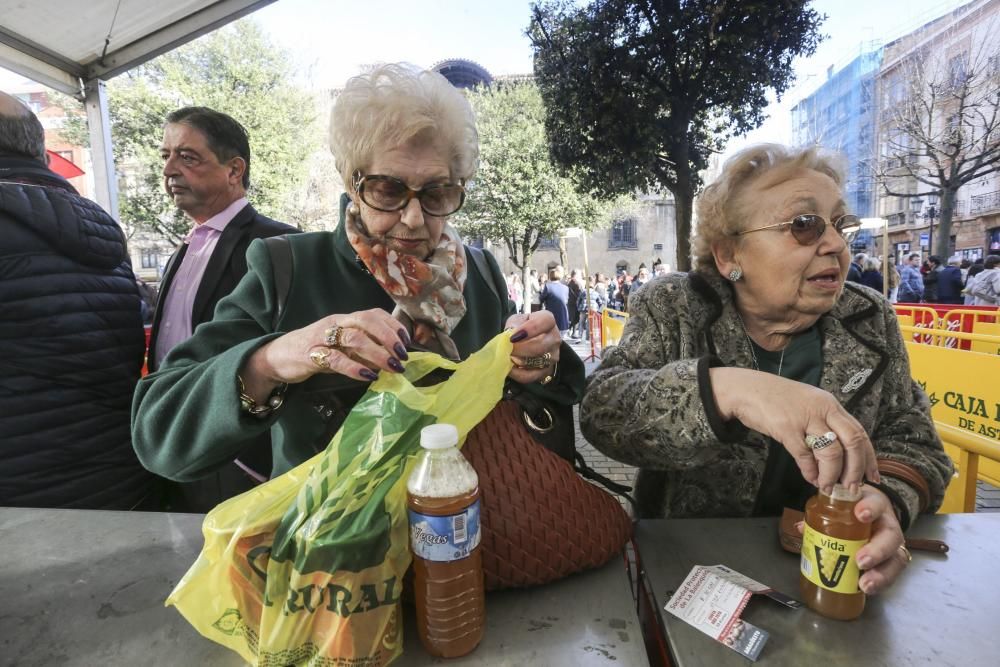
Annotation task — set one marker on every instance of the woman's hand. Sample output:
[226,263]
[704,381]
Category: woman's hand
[534,336]
[788,411]
[884,557]
[355,344]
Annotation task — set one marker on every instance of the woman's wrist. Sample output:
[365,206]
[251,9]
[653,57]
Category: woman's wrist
[258,376]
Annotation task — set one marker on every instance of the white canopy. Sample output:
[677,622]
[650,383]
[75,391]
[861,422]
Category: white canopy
[74,47]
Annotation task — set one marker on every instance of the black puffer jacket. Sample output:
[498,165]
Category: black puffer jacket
[71,345]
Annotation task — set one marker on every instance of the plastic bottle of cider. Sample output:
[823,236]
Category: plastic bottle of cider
[829,570]
[443,500]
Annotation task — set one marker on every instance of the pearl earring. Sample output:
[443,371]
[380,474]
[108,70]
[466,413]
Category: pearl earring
[353,210]
[736,274]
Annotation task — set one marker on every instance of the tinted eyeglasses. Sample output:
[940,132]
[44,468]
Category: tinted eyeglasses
[809,227]
[389,194]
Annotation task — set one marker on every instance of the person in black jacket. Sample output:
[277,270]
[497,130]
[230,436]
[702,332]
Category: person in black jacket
[71,338]
[949,283]
[206,172]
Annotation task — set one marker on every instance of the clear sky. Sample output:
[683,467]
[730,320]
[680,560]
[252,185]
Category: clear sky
[332,39]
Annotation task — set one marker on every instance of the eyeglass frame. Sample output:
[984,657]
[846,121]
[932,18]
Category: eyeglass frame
[788,223]
[359,182]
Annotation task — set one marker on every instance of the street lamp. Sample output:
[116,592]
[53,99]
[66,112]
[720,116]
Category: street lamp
[928,215]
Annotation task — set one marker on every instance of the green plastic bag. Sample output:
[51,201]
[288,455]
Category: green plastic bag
[307,568]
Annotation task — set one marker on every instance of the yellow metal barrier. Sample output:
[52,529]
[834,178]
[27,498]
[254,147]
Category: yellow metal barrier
[938,337]
[965,402]
[972,329]
[965,449]
[612,326]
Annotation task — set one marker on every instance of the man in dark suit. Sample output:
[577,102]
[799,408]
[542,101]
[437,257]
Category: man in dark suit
[206,172]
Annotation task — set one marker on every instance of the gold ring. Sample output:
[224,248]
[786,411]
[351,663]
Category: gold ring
[321,357]
[333,336]
[538,363]
[906,553]
[547,379]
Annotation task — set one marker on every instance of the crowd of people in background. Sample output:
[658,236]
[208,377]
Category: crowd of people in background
[956,281]
[570,296]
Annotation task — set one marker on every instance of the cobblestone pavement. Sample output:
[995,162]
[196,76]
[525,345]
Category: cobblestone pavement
[987,497]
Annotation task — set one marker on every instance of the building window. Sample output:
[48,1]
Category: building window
[956,70]
[993,239]
[623,234]
[548,243]
[150,258]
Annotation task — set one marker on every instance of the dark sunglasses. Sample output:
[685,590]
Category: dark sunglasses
[809,227]
[389,194]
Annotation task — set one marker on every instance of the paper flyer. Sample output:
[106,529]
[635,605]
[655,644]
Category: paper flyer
[712,599]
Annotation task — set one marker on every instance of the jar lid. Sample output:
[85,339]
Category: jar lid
[438,436]
[841,492]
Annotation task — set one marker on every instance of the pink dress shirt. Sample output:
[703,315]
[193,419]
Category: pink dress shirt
[175,323]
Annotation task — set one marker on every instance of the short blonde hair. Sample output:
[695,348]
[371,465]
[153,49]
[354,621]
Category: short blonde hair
[395,104]
[721,211]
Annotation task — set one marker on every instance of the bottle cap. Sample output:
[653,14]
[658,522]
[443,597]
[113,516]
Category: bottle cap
[438,436]
[841,492]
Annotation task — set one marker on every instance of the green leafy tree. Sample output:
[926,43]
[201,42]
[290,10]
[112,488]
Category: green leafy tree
[519,197]
[236,70]
[639,93]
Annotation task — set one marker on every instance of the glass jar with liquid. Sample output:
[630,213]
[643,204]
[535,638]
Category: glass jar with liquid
[829,570]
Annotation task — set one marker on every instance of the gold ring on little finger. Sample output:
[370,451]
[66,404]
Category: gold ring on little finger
[321,357]
[905,552]
[333,337]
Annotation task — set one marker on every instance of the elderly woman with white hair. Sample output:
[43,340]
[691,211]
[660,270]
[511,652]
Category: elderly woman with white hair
[743,386]
[296,345]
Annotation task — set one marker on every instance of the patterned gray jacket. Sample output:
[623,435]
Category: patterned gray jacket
[650,402]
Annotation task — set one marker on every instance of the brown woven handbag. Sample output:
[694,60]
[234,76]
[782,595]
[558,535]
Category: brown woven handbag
[540,520]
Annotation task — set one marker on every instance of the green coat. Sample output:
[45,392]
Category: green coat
[186,417]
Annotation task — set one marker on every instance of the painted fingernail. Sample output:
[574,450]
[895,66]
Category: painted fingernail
[395,365]
[866,515]
[405,337]
[519,336]
[864,563]
[368,374]
[400,351]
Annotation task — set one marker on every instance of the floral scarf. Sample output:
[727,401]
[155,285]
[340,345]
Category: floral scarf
[427,292]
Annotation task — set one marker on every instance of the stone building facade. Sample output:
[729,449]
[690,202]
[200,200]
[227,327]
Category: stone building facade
[968,36]
[648,237]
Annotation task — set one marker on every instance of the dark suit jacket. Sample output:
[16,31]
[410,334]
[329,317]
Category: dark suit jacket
[225,269]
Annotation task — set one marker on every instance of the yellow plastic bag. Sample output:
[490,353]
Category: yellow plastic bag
[307,568]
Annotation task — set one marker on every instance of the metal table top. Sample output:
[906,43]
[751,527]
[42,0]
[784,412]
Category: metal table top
[87,588]
[943,610]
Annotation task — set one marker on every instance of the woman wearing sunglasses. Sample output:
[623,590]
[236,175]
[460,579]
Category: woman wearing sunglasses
[394,276]
[740,388]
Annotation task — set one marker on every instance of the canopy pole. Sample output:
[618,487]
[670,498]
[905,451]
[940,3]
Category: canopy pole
[105,179]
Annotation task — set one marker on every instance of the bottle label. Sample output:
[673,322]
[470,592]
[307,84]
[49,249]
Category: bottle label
[829,562]
[445,538]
